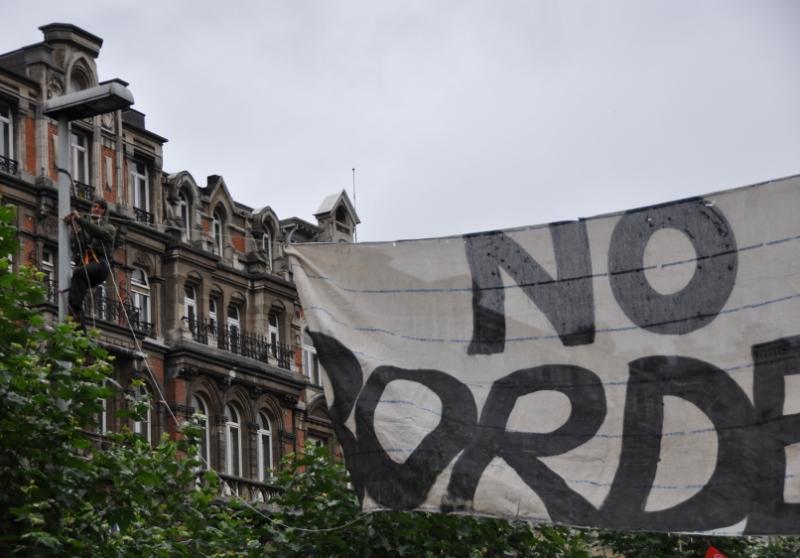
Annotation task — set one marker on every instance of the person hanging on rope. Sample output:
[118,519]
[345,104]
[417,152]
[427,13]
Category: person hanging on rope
[95,238]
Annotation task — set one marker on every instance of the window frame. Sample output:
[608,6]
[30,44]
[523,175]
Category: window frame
[233,326]
[264,440]
[217,225]
[266,247]
[233,425]
[310,354]
[201,411]
[80,156]
[274,332]
[6,131]
[139,425]
[140,183]
[141,294]
[183,213]
[190,305]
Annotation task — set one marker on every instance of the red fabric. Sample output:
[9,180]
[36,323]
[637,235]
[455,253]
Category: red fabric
[714,553]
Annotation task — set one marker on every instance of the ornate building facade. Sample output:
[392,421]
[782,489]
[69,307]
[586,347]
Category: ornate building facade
[200,312]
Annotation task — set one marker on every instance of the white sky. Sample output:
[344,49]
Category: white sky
[458,115]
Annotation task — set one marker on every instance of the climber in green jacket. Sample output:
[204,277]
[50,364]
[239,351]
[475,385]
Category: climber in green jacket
[95,236]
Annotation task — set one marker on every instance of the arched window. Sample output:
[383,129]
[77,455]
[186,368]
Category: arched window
[264,436]
[144,426]
[184,208]
[217,232]
[266,246]
[233,442]
[78,80]
[201,414]
[140,297]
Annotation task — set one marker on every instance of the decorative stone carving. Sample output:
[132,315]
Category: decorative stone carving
[108,121]
[55,87]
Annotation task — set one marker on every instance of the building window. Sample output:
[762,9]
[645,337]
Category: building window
[102,418]
[264,436]
[201,414]
[217,231]
[143,427]
[140,296]
[48,269]
[139,184]
[100,309]
[212,314]
[266,247]
[47,264]
[80,157]
[7,162]
[234,327]
[311,365]
[273,333]
[190,306]
[183,211]
[233,442]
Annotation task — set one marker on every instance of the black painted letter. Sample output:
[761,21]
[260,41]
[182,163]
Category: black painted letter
[699,302]
[568,301]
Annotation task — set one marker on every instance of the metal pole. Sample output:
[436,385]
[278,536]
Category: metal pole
[64,207]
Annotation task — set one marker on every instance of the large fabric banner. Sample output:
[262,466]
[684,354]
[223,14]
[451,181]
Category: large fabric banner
[636,371]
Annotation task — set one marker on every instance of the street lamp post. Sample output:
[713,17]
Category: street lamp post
[109,96]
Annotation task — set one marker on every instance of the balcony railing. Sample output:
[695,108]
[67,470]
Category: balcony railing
[143,216]
[247,489]
[98,307]
[84,191]
[248,345]
[8,165]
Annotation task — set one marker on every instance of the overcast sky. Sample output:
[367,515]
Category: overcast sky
[458,116]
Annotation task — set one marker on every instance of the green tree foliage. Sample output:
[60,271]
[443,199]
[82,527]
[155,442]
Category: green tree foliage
[61,494]
[318,515]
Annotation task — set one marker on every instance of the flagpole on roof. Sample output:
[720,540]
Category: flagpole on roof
[355,230]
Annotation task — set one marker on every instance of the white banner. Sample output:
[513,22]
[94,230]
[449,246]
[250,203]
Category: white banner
[633,371]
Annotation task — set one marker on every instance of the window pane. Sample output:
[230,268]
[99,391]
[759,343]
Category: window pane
[235,451]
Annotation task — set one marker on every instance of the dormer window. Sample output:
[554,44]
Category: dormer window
[79,146]
[183,214]
[141,192]
[266,247]
[217,232]
[342,221]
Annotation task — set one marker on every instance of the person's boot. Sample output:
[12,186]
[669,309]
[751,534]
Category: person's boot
[77,316]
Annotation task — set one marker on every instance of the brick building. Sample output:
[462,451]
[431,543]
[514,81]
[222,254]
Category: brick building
[201,294]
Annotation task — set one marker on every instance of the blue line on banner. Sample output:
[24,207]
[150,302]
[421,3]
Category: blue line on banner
[505,466]
[526,338]
[426,290]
